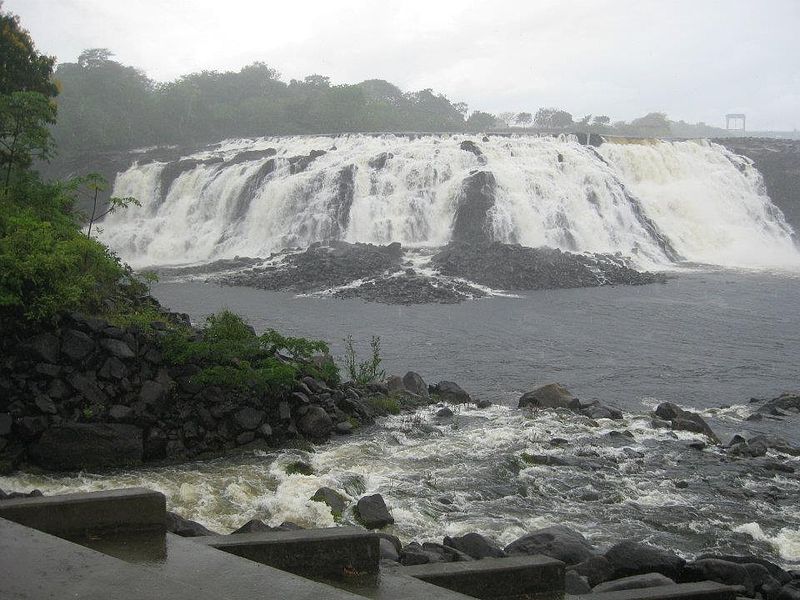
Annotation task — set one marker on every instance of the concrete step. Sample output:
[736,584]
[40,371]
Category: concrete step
[67,515]
[704,590]
[330,553]
[535,577]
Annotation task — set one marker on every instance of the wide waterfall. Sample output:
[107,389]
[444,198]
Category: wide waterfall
[657,203]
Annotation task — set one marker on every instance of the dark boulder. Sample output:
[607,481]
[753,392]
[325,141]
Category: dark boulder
[451,393]
[118,348]
[414,384]
[76,345]
[576,584]
[45,347]
[789,402]
[476,198]
[372,513]
[444,412]
[75,446]
[388,550]
[88,388]
[599,411]
[253,526]
[379,161]
[634,582]
[475,545]
[316,423]
[414,554]
[596,569]
[153,394]
[155,444]
[446,553]
[552,395]
[557,542]
[5,424]
[684,420]
[332,498]
[113,369]
[633,558]
[248,418]
[721,571]
[45,405]
[184,527]
[773,569]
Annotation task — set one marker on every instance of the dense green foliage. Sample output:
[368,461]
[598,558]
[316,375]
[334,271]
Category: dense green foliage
[107,105]
[230,354]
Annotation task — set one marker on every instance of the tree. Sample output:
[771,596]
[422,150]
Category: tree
[481,121]
[524,118]
[552,118]
[601,120]
[24,132]
[96,183]
[653,124]
[22,68]
[585,121]
[92,58]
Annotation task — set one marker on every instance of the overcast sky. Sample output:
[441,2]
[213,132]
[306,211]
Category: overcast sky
[693,59]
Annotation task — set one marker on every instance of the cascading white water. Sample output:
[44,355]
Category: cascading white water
[654,202]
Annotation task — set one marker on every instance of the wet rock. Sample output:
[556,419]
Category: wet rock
[634,582]
[88,388]
[5,424]
[113,369]
[118,348]
[451,393]
[684,420]
[30,428]
[552,395]
[576,584]
[316,423]
[184,527]
[474,545]
[152,394]
[44,347]
[414,554]
[789,402]
[444,412]
[379,161]
[721,571]
[253,526]
[344,428]
[75,446]
[476,198]
[596,569]
[388,550]
[774,570]
[372,513]
[45,405]
[119,413]
[414,384]
[598,411]
[483,404]
[446,553]
[248,418]
[332,498]
[76,345]
[154,444]
[633,558]
[557,542]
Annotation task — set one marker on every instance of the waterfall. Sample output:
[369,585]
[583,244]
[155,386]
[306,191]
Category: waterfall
[658,203]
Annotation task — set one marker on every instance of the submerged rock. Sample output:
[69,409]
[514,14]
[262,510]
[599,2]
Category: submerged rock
[684,420]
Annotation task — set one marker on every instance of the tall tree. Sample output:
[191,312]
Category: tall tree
[22,67]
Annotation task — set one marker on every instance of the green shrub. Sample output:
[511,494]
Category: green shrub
[232,355]
[385,404]
[367,371]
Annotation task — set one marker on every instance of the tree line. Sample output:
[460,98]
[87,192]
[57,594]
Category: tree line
[105,105]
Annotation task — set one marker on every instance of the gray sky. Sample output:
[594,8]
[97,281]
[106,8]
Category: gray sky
[693,59]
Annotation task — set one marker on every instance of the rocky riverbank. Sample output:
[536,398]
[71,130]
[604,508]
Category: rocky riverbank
[393,275]
[87,394]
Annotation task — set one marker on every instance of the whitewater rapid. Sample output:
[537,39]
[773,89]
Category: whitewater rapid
[659,203]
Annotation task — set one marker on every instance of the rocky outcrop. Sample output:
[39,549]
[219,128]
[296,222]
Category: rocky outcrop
[471,221]
[88,395]
[451,393]
[555,395]
[515,267]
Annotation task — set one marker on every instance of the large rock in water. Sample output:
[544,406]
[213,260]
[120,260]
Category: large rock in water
[75,446]
[685,420]
[552,395]
[372,513]
[184,527]
[474,545]
[559,542]
[633,558]
[451,393]
[471,222]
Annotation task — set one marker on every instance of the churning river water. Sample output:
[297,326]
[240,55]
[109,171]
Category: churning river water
[708,341]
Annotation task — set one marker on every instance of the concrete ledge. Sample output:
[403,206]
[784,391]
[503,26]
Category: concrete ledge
[132,509]
[335,553]
[39,566]
[705,590]
[514,577]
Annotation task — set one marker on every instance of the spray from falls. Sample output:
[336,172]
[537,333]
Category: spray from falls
[657,203]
